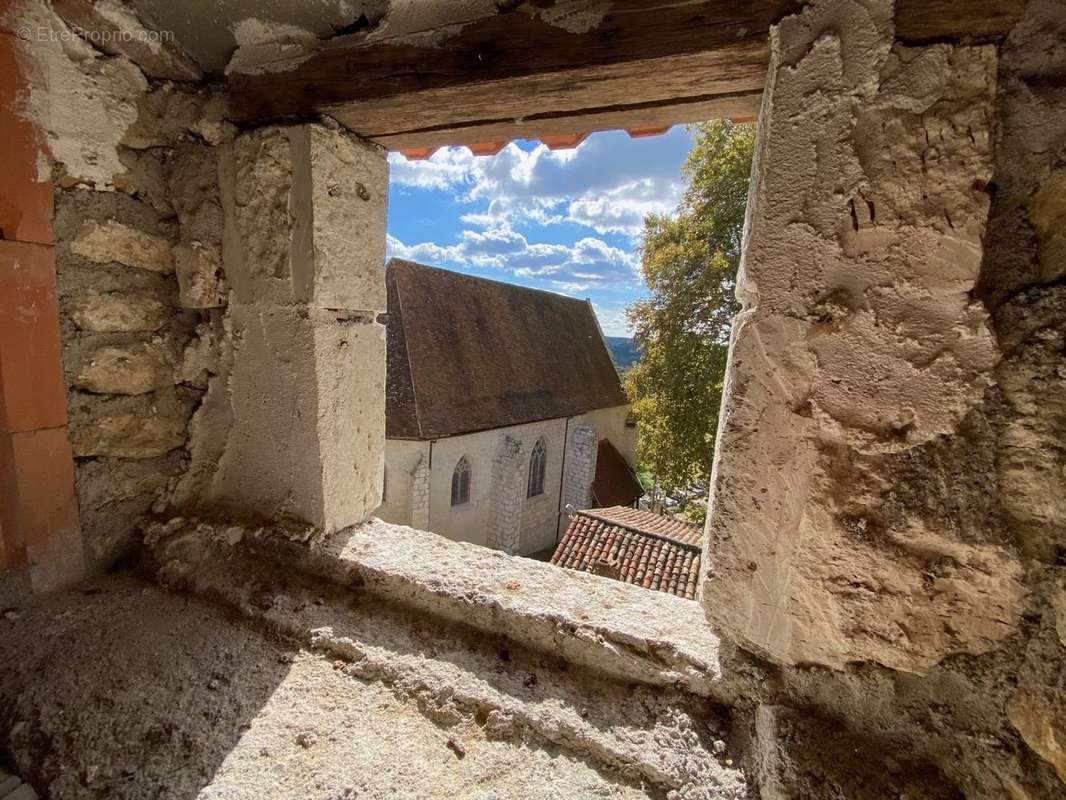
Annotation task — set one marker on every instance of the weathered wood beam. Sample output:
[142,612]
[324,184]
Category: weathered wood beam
[740,107]
[635,94]
[522,73]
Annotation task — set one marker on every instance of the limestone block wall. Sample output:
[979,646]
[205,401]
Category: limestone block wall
[508,491]
[885,524]
[294,424]
[420,497]
[579,472]
[159,313]
[113,141]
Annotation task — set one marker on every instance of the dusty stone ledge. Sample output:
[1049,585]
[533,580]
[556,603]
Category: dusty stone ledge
[616,629]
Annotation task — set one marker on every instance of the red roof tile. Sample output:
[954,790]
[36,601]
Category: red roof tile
[633,546]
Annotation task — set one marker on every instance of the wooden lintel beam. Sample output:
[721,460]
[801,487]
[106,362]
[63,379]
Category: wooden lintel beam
[741,107]
[513,74]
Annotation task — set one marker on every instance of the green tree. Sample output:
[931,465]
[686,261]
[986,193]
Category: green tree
[689,261]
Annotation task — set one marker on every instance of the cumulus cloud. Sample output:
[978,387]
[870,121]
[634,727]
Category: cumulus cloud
[608,183]
[570,267]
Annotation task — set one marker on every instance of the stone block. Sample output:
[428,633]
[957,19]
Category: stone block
[133,369]
[129,436]
[305,212]
[201,281]
[860,345]
[340,261]
[255,179]
[32,391]
[112,312]
[294,426]
[114,242]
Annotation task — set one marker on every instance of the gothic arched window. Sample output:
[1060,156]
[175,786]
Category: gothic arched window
[461,482]
[537,463]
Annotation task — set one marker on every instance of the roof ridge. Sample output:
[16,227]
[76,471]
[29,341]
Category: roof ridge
[590,513]
[508,284]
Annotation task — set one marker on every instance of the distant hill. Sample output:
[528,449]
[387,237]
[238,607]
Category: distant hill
[623,351]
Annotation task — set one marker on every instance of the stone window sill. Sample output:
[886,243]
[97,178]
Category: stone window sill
[616,629]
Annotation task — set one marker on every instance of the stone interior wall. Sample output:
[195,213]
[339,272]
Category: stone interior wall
[188,258]
[131,155]
[887,523]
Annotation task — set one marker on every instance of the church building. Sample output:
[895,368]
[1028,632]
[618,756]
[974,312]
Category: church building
[503,407]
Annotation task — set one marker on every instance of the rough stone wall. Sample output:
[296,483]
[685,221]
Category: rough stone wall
[859,348]
[115,139]
[169,287]
[579,470]
[886,523]
[508,492]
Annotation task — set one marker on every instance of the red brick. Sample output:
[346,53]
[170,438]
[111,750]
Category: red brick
[32,392]
[40,513]
[25,202]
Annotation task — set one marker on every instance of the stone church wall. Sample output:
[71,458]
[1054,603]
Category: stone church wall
[534,518]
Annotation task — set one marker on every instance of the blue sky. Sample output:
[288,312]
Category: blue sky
[568,221]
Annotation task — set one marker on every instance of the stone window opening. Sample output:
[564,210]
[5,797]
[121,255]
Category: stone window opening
[537,463]
[461,482]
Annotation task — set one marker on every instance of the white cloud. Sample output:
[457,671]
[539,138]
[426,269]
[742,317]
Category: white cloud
[612,319]
[567,286]
[608,183]
[586,263]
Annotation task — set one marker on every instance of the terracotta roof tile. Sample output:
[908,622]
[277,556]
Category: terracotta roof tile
[633,546]
[649,522]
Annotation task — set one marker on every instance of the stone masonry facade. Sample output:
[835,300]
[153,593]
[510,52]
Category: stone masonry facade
[580,470]
[508,492]
[420,485]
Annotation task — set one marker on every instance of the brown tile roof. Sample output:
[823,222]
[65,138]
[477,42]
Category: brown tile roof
[633,546]
[468,354]
[659,524]
[615,484]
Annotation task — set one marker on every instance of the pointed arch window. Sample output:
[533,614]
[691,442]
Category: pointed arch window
[461,482]
[537,463]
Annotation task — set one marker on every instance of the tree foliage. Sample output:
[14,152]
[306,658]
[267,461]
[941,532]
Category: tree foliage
[689,261]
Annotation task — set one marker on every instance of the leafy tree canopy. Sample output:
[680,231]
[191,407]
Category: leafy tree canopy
[689,261]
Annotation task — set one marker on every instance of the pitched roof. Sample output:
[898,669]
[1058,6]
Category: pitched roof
[467,354]
[632,546]
[615,484]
